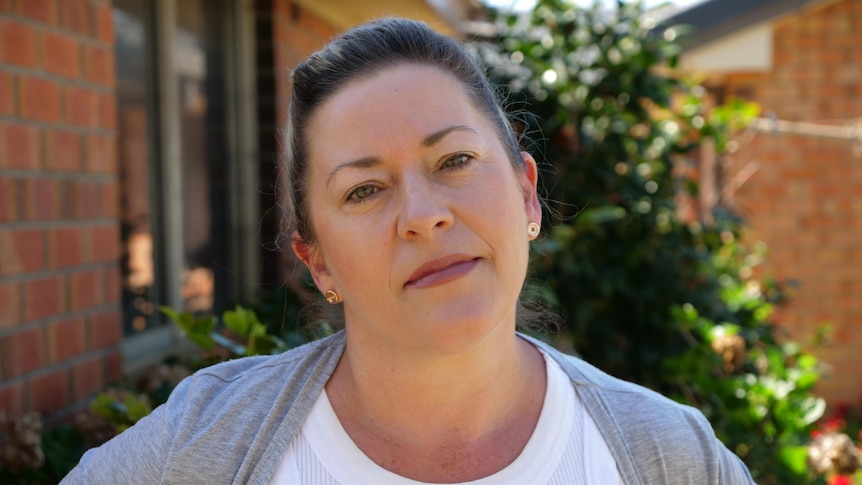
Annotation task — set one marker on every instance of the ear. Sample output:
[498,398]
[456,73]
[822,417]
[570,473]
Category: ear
[314,260]
[529,178]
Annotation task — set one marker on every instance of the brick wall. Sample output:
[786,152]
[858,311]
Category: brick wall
[60,324]
[805,201]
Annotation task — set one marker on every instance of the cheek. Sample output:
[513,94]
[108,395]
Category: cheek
[357,252]
[503,219]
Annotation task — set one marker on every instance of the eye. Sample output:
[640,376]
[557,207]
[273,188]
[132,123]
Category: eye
[359,194]
[460,160]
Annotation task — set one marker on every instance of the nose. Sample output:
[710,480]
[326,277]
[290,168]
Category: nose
[423,209]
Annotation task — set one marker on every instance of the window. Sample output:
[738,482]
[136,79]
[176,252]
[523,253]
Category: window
[187,195]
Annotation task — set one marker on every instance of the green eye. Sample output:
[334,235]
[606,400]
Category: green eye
[362,192]
[456,161]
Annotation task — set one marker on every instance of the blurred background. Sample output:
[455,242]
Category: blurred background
[701,161]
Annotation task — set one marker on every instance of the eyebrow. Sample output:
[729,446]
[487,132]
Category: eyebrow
[428,141]
[435,137]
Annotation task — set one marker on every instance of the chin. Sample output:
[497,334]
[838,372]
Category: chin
[459,326]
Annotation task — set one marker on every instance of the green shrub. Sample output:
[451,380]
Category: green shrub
[668,303]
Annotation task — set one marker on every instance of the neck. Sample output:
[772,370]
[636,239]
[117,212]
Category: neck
[427,400]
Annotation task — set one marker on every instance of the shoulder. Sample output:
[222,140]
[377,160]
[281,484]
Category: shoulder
[244,412]
[637,412]
[267,377]
[652,438]
[230,420]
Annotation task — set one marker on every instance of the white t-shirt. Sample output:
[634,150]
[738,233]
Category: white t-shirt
[566,448]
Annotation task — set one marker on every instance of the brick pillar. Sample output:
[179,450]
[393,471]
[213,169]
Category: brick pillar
[287,34]
[60,323]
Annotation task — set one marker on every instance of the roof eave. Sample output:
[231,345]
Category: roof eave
[713,19]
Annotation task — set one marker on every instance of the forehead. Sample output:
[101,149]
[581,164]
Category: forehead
[402,104]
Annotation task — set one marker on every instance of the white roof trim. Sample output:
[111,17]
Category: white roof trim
[749,49]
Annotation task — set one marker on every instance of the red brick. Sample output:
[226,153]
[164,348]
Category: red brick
[105,243]
[114,367]
[19,44]
[282,8]
[60,54]
[112,284]
[41,10]
[314,24]
[7,6]
[88,378]
[101,154]
[19,146]
[99,65]
[44,298]
[8,199]
[65,247]
[81,106]
[77,15]
[23,251]
[67,339]
[108,111]
[23,352]
[49,392]
[7,92]
[303,41]
[10,301]
[823,189]
[81,200]
[12,398]
[40,99]
[41,199]
[105,24]
[109,200]
[106,329]
[85,290]
[62,150]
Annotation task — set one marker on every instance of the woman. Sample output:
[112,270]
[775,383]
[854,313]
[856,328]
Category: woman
[409,201]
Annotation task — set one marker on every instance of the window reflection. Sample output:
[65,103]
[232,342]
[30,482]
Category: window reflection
[198,72]
[133,145]
[199,69]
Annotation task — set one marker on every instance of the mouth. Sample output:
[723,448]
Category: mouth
[441,271]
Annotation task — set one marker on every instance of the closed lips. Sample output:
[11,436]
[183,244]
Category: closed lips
[442,270]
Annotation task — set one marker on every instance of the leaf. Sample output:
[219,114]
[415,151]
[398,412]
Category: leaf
[795,458]
[264,345]
[239,320]
[195,328]
[807,362]
[601,215]
[170,313]
[814,408]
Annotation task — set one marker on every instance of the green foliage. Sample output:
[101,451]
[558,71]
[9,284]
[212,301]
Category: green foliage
[650,297]
[241,322]
[121,409]
[197,328]
[116,409]
[63,446]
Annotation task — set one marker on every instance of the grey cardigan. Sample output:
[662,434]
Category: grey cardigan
[232,422]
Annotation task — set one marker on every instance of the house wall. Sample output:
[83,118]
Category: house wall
[805,200]
[60,324]
[60,320]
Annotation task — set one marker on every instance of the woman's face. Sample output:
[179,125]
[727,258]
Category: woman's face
[420,218]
